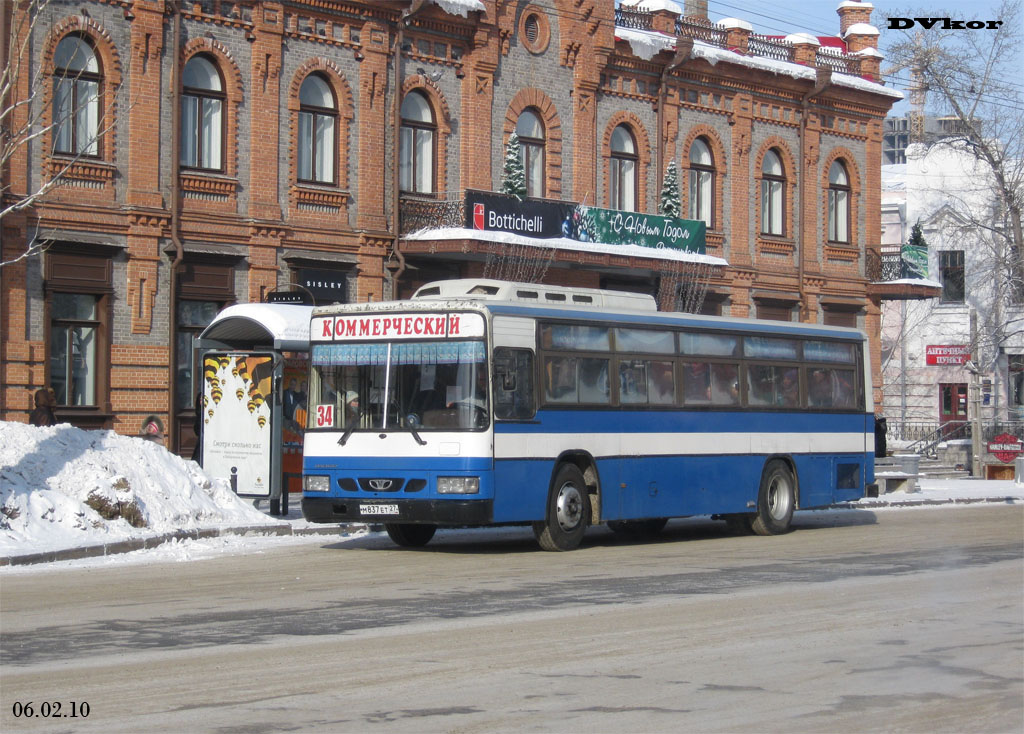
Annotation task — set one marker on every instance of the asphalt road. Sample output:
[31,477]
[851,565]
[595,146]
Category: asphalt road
[897,621]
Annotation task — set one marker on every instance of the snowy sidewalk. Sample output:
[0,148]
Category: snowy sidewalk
[68,494]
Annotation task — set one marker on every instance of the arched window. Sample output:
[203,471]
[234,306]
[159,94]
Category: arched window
[702,182]
[531,151]
[773,194]
[317,123]
[838,203]
[202,115]
[416,148]
[622,183]
[76,98]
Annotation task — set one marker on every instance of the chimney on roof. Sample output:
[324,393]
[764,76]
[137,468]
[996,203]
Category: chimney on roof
[852,12]
[696,9]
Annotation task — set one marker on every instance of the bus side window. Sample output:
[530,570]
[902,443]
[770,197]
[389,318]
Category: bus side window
[560,380]
[697,383]
[632,381]
[513,383]
[594,386]
[661,388]
[831,388]
[725,384]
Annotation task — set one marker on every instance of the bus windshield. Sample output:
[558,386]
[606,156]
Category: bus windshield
[399,385]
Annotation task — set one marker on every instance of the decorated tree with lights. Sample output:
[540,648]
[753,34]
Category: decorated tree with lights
[669,205]
[513,177]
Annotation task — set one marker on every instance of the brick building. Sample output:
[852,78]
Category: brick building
[208,152]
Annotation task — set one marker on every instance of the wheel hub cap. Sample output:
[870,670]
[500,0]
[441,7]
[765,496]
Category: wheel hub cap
[569,507]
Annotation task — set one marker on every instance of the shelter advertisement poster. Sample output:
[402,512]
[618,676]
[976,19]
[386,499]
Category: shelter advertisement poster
[237,439]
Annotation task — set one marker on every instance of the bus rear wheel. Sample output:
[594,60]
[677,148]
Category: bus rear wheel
[776,500]
[408,535]
[567,513]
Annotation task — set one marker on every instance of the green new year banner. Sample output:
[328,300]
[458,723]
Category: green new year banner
[615,227]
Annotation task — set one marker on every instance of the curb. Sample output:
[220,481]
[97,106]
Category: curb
[134,544]
[284,528]
[862,505]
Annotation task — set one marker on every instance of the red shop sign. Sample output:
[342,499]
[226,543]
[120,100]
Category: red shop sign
[946,354]
[1005,447]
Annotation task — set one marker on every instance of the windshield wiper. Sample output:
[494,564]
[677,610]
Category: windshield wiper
[420,441]
[347,434]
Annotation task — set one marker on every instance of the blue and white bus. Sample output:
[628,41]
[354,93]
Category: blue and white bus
[483,402]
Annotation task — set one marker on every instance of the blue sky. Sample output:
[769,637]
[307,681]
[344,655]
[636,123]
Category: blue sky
[819,17]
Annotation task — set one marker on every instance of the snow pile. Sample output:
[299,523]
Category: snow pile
[62,487]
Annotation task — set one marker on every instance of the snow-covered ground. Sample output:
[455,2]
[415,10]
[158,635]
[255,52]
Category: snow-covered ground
[64,488]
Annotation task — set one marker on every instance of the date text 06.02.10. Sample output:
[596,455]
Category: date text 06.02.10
[51,710]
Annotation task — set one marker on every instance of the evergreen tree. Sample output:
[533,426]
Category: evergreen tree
[669,205]
[914,255]
[917,236]
[513,177]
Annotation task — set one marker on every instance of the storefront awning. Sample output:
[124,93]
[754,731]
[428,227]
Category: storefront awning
[562,243]
[279,326]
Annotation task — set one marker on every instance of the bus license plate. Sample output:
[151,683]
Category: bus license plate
[378,509]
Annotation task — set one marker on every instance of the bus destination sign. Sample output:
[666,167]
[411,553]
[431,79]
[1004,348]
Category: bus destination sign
[392,326]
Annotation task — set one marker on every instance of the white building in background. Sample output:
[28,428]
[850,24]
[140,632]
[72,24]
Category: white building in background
[926,344]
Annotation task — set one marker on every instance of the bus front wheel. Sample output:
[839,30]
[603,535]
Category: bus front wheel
[408,535]
[776,500]
[567,513]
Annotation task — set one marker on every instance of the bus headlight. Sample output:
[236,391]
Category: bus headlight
[458,485]
[316,483]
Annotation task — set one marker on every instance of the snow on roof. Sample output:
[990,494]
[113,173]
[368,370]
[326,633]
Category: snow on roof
[894,177]
[459,7]
[913,281]
[800,38]
[652,5]
[736,23]
[562,243]
[647,44]
[861,29]
[854,4]
[279,325]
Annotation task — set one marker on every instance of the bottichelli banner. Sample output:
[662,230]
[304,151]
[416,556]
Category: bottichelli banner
[546,219]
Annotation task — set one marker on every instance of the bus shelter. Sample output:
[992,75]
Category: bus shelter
[251,416]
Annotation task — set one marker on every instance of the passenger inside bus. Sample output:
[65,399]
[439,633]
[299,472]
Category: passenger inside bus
[663,389]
